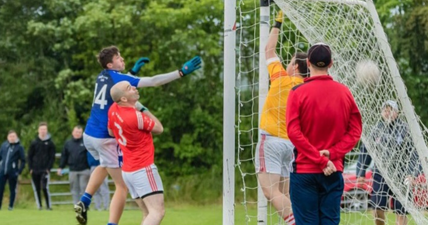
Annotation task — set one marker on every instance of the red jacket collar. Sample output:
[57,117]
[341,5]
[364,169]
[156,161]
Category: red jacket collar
[321,77]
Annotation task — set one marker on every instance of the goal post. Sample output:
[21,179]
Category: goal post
[229,112]
[354,33]
[264,27]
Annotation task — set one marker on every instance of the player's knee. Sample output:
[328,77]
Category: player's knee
[161,213]
[269,193]
[121,186]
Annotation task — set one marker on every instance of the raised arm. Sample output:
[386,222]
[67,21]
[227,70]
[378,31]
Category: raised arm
[273,37]
[157,128]
[161,79]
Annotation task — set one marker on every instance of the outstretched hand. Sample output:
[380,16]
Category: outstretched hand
[140,63]
[190,66]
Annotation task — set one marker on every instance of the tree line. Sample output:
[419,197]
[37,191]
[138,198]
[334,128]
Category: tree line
[48,67]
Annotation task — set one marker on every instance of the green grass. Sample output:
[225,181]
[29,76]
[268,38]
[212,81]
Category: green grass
[175,215]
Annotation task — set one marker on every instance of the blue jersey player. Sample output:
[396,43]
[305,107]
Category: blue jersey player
[96,138]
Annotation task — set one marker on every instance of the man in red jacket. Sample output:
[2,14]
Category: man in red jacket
[323,123]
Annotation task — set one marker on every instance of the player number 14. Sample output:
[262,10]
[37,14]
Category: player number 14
[100,97]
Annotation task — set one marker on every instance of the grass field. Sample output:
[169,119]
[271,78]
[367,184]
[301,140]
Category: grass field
[175,215]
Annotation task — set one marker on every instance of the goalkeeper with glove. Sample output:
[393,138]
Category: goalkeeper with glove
[274,151]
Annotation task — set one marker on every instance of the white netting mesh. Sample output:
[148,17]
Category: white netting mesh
[354,34]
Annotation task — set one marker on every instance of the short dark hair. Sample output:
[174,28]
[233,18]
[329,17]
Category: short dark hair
[43,124]
[78,127]
[106,55]
[11,131]
[300,60]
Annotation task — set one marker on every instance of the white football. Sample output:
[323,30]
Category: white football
[368,72]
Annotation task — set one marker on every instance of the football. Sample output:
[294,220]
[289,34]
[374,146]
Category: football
[368,72]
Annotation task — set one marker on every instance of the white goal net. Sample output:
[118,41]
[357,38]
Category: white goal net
[353,31]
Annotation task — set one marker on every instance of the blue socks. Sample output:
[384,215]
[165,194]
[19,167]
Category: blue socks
[112,224]
[86,199]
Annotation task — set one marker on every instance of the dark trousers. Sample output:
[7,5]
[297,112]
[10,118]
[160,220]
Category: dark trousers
[40,181]
[381,194]
[13,181]
[316,198]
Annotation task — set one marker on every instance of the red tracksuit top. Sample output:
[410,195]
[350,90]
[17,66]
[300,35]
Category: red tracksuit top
[321,114]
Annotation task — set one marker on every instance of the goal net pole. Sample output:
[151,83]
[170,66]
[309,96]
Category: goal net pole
[263,90]
[229,112]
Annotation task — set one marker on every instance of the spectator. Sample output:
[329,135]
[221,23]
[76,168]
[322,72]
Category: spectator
[12,162]
[74,155]
[393,139]
[41,157]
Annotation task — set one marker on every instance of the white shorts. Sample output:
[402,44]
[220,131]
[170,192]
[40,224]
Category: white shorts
[104,149]
[274,155]
[143,182]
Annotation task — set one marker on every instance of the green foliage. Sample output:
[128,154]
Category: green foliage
[48,66]
[406,23]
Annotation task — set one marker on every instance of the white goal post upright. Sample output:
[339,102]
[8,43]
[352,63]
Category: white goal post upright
[229,112]
[262,204]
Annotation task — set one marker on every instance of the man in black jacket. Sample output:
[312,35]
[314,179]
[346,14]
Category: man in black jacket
[41,157]
[12,162]
[74,154]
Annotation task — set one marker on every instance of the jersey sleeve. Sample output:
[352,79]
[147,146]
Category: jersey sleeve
[352,135]
[144,122]
[118,77]
[275,68]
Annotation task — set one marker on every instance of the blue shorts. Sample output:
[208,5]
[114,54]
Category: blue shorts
[381,194]
[316,198]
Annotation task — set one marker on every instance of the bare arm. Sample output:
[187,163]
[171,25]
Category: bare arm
[271,44]
[158,128]
[273,37]
[158,80]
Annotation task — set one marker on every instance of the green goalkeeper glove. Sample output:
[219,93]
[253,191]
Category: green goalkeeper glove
[278,20]
[140,63]
[190,66]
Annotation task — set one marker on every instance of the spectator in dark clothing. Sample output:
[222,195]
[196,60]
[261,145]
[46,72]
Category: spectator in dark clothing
[41,157]
[12,162]
[392,138]
[74,155]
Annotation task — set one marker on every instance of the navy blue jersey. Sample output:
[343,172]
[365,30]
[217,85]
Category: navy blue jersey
[97,122]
